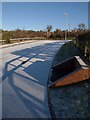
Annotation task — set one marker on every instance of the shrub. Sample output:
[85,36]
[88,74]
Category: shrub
[83,42]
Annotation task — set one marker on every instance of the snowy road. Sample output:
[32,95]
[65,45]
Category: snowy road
[24,86]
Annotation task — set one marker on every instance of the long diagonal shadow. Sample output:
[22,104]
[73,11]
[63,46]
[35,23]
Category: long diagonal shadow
[7,73]
[30,105]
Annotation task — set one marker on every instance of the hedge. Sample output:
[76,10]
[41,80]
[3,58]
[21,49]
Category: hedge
[82,41]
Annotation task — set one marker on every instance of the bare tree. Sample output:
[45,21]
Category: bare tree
[49,28]
[82,26]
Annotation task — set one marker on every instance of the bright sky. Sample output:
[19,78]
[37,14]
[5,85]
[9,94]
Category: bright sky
[37,15]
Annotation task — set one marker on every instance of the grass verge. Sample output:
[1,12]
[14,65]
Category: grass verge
[66,51]
[71,101]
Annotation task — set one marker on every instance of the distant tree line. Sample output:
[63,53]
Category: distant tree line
[58,34]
